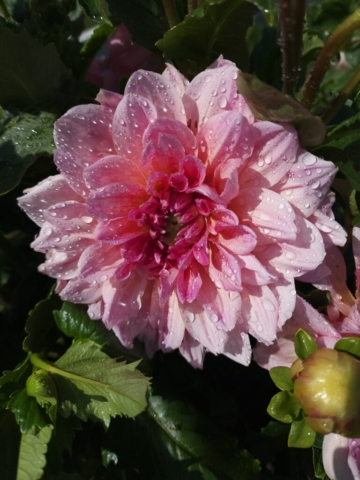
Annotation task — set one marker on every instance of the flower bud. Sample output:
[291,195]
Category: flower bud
[327,386]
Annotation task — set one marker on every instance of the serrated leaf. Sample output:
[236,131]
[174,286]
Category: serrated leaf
[74,321]
[41,386]
[304,344]
[27,412]
[281,377]
[33,448]
[40,323]
[23,138]
[284,407]
[92,385]
[267,103]
[24,78]
[349,345]
[301,435]
[345,133]
[143,18]
[217,27]
[95,10]
[195,442]
[97,40]
[16,375]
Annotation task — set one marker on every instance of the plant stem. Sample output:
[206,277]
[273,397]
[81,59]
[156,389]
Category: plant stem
[192,5]
[291,23]
[4,10]
[342,97]
[170,12]
[332,46]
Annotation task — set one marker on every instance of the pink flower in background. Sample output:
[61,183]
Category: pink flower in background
[341,457]
[179,219]
[118,59]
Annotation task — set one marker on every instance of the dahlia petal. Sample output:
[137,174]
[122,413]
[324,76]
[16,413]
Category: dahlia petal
[306,183]
[72,168]
[226,179]
[295,258]
[223,137]
[193,169]
[113,169]
[98,262]
[127,133]
[312,321]
[335,457]
[115,200]
[108,99]
[60,265]
[225,269]
[188,283]
[159,91]
[267,213]
[331,231]
[192,351]
[70,216]
[237,347]
[96,310]
[284,291]
[163,156]
[177,129]
[85,132]
[51,237]
[356,251]
[81,291]
[239,239]
[260,310]
[253,272]
[215,90]
[274,152]
[118,231]
[354,457]
[48,192]
[280,354]
[202,329]
[177,80]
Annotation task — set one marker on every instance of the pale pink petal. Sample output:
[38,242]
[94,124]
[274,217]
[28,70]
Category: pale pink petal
[253,272]
[274,152]
[215,90]
[72,167]
[171,127]
[267,213]
[70,216]
[85,132]
[118,231]
[260,312]
[51,190]
[159,91]
[307,182]
[280,354]
[108,99]
[177,80]
[60,265]
[237,347]
[98,262]
[332,232]
[284,291]
[354,457]
[113,169]
[223,137]
[335,454]
[192,350]
[239,239]
[356,251]
[226,179]
[164,156]
[131,118]
[81,291]
[96,310]
[297,257]
[225,269]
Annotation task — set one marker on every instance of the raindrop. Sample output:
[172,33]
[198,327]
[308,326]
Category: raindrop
[309,159]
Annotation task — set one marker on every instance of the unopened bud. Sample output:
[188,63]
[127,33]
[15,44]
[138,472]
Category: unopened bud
[327,386]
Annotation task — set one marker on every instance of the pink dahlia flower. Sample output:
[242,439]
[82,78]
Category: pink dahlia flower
[118,59]
[178,218]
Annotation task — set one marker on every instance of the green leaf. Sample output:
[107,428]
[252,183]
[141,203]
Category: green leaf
[41,386]
[349,345]
[92,385]
[217,27]
[270,10]
[301,435]
[24,78]
[40,323]
[281,377]
[74,321]
[267,103]
[195,442]
[97,39]
[143,18]
[95,10]
[27,411]
[16,375]
[304,344]
[345,133]
[23,138]
[350,168]
[317,457]
[284,407]
[33,448]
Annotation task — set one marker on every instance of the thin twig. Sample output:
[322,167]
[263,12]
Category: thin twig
[342,97]
[332,46]
[171,12]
